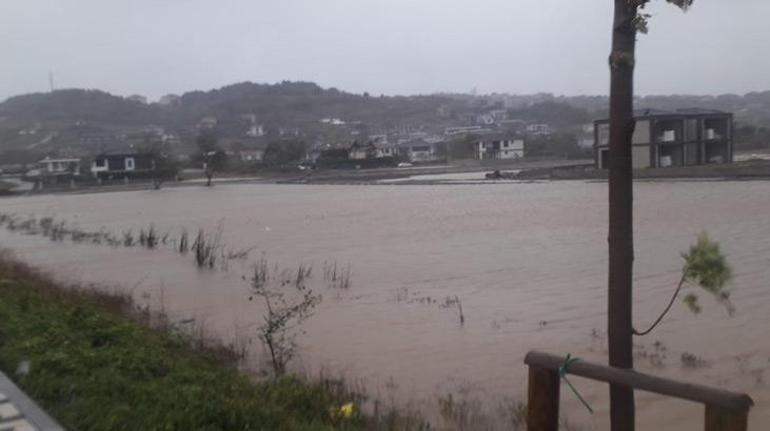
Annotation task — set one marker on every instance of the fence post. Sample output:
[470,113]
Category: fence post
[543,403]
[721,419]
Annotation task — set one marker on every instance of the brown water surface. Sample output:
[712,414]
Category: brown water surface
[528,262]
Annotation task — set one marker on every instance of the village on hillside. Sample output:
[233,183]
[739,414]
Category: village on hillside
[68,138]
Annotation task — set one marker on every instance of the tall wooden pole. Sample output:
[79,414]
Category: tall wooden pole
[621,241]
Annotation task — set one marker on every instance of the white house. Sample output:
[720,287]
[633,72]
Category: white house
[49,166]
[53,170]
[386,149]
[255,131]
[121,164]
[539,129]
[359,151]
[252,155]
[586,136]
[207,123]
[462,130]
[332,121]
[485,119]
[419,150]
[500,148]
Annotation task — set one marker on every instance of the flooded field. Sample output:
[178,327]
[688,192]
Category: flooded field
[527,261]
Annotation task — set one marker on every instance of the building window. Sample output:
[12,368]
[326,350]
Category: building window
[129,163]
[604,134]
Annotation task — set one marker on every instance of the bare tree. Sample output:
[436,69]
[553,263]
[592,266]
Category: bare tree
[285,310]
[628,20]
[210,154]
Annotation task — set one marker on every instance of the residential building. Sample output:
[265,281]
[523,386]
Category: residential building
[462,130]
[386,149]
[208,122]
[52,167]
[333,121]
[251,155]
[30,131]
[255,131]
[499,114]
[419,150]
[100,140]
[672,138]
[121,165]
[169,100]
[359,151]
[514,124]
[499,147]
[485,119]
[170,138]
[539,129]
[586,137]
[444,111]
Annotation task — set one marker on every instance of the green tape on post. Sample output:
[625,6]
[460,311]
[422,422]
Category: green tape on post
[569,360]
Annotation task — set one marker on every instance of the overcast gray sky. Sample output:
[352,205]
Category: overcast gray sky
[154,47]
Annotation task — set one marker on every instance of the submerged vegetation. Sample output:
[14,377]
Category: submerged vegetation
[208,249]
[148,238]
[95,359]
[290,295]
[286,310]
[93,363]
[338,278]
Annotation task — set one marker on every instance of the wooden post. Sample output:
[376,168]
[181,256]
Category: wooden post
[543,403]
[725,411]
[721,419]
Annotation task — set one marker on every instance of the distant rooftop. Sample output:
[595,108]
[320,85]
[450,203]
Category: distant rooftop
[649,112]
[652,112]
[499,137]
[699,111]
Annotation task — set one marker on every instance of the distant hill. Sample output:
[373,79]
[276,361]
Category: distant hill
[59,119]
[296,103]
[285,103]
[77,105]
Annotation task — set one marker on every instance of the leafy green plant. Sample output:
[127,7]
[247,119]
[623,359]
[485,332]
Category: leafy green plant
[706,267]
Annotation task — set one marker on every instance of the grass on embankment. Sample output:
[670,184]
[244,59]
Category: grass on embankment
[94,365]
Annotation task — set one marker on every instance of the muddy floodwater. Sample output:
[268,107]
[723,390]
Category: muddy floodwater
[527,261]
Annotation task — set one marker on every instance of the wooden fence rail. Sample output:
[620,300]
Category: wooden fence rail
[725,411]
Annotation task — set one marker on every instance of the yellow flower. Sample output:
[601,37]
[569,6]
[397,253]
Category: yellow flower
[346,410]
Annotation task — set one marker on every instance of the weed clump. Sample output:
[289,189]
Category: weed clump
[206,248]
